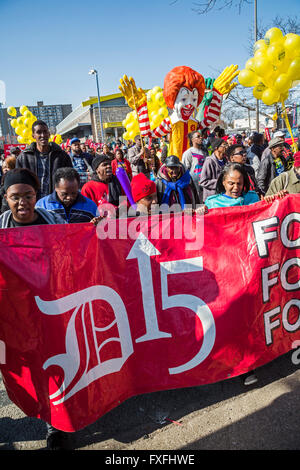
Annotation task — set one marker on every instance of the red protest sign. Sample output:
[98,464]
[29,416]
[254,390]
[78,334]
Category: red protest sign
[9,147]
[89,321]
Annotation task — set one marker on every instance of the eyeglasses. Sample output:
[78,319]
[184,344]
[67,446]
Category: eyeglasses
[28,197]
[240,153]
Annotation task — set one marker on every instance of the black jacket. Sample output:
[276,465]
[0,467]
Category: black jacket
[58,159]
[267,172]
[252,178]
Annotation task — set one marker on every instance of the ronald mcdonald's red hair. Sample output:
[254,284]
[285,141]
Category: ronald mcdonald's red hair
[179,77]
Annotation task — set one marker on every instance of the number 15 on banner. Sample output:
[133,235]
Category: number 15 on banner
[142,250]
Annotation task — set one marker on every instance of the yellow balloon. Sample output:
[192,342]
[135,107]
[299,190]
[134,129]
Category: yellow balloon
[292,45]
[247,78]
[276,53]
[269,80]
[283,83]
[21,139]
[284,65]
[13,123]
[27,122]
[12,111]
[156,89]
[258,90]
[163,112]
[27,114]
[126,136]
[262,66]
[273,35]
[129,125]
[23,108]
[19,130]
[26,133]
[159,97]
[154,118]
[294,69]
[58,139]
[20,120]
[260,53]
[270,96]
[250,65]
[132,135]
[260,44]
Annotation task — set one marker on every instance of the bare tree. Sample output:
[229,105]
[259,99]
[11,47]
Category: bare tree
[286,25]
[202,8]
[241,98]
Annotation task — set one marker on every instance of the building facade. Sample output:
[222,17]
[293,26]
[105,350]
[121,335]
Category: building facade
[52,115]
[84,122]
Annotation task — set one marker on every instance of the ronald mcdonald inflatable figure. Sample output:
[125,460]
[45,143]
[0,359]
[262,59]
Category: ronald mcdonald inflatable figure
[183,92]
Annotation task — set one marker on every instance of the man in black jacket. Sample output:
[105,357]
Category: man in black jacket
[272,165]
[43,158]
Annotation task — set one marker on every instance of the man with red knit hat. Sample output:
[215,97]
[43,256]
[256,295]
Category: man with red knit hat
[144,195]
[288,181]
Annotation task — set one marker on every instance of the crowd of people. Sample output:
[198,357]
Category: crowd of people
[50,184]
[73,181]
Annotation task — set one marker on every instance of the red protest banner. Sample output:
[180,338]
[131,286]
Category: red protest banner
[8,147]
[88,321]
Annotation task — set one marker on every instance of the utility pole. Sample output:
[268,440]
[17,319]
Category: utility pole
[255,37]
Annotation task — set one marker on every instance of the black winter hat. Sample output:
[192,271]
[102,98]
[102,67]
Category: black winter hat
[98,160]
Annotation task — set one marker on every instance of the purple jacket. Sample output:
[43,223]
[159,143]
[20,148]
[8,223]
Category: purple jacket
[210,172]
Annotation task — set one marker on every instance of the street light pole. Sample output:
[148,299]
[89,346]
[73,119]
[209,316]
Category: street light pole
[255,37]
[94,72]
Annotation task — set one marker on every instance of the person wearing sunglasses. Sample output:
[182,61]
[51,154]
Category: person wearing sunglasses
[238,154]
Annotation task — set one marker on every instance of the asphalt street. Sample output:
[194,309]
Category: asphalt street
[221,416]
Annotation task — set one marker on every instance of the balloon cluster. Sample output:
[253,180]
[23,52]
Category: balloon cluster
[157,111]
[57,138]
[23,125]
[275,67]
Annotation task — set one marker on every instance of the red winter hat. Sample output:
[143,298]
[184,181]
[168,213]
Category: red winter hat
[297,159]
[141,187]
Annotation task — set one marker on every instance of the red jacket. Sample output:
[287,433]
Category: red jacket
[124,164]
[96,191]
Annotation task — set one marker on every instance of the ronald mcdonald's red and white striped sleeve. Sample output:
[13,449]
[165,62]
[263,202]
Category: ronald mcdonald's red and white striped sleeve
[213,110]
[163,129]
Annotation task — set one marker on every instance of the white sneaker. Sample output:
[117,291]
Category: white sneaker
[250,379]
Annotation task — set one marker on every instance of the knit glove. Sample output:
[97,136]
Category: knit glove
[209,84]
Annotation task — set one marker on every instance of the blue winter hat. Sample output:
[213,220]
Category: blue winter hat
[74,140]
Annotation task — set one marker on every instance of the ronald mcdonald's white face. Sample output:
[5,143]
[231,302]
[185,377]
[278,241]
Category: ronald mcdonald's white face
[185,103]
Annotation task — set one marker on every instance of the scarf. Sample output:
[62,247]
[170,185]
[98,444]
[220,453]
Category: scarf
[176,186]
